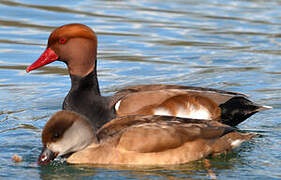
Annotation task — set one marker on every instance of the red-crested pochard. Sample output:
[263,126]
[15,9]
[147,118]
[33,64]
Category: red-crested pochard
[136,140]
[76,46]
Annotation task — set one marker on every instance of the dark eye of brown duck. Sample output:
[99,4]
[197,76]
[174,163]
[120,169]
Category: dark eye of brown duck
[62,40]
[56,136]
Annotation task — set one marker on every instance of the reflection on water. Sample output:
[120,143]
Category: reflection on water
[231,45]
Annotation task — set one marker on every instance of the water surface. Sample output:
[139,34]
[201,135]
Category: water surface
[230,45]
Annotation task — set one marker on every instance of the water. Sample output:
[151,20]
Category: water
[230,45]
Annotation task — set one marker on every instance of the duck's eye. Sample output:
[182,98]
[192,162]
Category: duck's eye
[62,40]
[56,136]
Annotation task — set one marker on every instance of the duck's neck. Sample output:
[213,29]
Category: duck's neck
[88,82]
[80,56]
[84,97]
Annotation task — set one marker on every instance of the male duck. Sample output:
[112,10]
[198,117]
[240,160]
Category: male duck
[76,45]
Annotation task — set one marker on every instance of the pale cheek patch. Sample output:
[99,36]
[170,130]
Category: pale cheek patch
[56,147]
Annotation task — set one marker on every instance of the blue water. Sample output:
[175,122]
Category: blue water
[230,45]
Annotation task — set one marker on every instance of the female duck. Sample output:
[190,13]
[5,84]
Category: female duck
[136,140]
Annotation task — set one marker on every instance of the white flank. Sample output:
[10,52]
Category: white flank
[200,113]
[181,112]
[162,111]
[236,143]
[117,105]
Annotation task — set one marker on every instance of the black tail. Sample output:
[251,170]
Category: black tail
[238,109]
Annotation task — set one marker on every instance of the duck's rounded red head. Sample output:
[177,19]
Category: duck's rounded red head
[74,44]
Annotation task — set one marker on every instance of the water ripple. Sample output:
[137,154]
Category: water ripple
[230,45]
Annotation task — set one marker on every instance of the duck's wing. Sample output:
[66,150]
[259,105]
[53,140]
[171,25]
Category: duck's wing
[163,136]
[122,124]
[179,101]
[184,101]
[155,87]
[218,96]
[154,134]
[152,87]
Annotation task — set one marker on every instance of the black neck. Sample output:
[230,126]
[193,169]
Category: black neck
[88,82]
[84,97]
